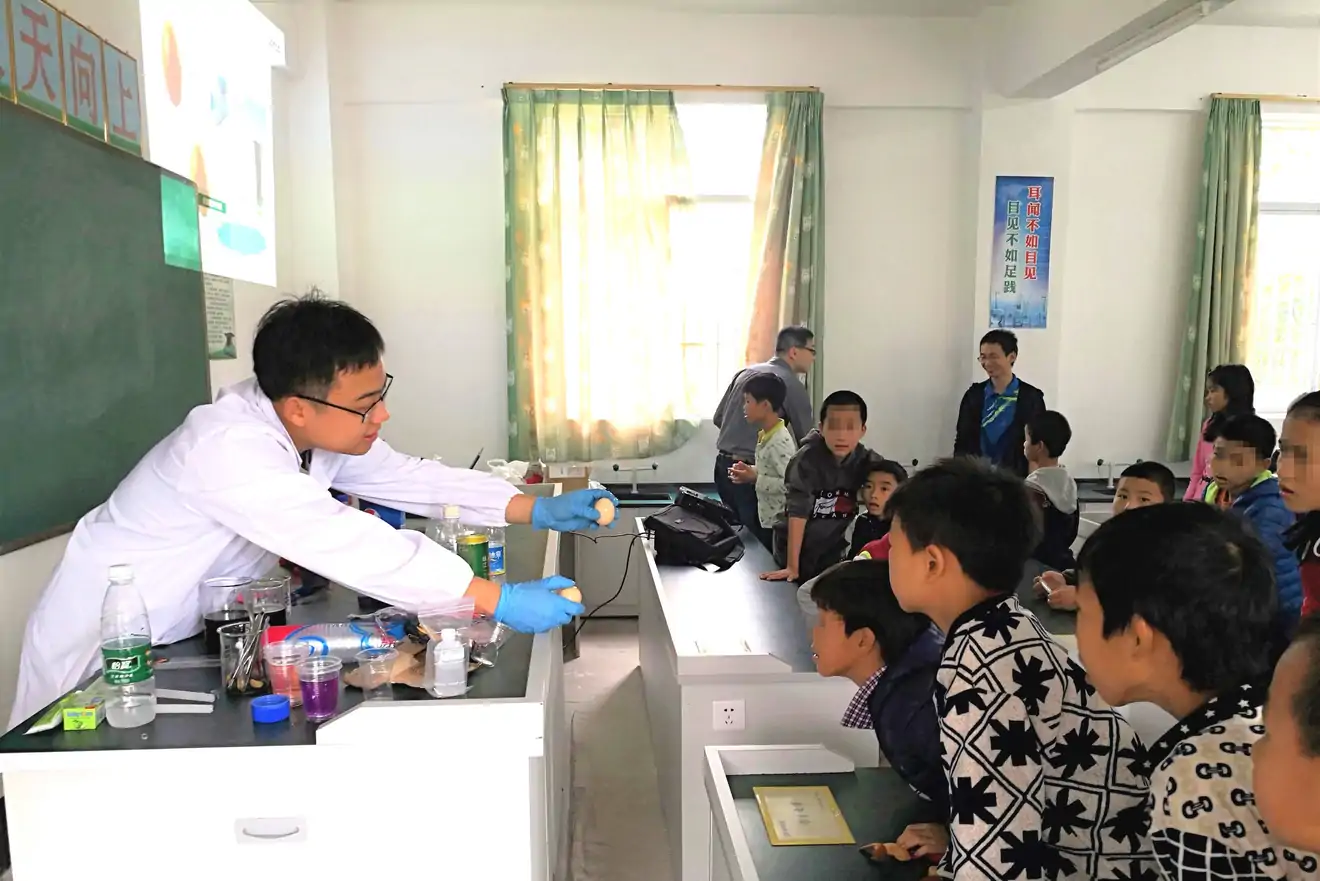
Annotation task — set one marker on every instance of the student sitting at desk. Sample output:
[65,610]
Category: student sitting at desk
[824,479]
[245,480]
[1042,782]
[1140,485]
[1286,759]
[1052,489]
[1177,607]
[862,634]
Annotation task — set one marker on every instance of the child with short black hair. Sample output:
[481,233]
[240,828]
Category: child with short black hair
[1299,484]
[1053,489]
[861,633]
[763,401]
[1177,607]
[1286,759]
[1041,771]
[883,476]
[824,478]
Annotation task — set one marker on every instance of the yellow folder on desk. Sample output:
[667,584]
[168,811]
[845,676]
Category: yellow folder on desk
[800,815]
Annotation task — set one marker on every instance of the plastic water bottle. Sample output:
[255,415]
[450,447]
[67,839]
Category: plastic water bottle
[341,640]
[450,529]
[125,653]
[449,663]
[495,553]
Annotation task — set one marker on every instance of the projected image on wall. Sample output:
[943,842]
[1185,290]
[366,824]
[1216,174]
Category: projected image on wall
[207,73]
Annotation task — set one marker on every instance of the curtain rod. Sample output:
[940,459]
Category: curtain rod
[604,87]
[1281,99]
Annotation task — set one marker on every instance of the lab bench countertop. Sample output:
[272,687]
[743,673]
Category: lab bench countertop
[231,725]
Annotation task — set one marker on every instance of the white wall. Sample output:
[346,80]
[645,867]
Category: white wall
[418,101]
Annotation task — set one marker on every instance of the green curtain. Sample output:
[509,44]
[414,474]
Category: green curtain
[1224,263]
[788,254]
[593,180]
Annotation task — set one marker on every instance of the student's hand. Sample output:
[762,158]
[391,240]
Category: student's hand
[1048,583]
[1064,598]
[741,472]
[925,839]
[780,575]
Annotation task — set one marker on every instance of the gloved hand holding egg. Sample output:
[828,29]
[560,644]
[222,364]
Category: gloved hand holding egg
[583,509]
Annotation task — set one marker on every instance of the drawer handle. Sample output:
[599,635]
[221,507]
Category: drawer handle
[271,836]
[270,829]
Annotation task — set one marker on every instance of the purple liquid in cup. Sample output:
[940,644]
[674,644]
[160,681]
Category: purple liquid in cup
[319,682]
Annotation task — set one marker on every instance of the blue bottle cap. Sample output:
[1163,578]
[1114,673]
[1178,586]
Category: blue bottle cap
[270,708]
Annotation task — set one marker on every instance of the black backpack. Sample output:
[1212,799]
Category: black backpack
[695,531]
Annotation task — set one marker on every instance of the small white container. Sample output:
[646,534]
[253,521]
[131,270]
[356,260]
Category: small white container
[447,665]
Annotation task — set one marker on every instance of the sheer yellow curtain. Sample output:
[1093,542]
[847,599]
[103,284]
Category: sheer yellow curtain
[593,180]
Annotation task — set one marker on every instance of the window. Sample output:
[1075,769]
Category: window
[712,243]
[1283,326]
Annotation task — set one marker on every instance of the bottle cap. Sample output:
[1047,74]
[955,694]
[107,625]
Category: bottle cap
[121,573]
[453,512]
[270,708]
[449,634]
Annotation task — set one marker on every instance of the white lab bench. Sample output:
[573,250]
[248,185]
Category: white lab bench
[474,787]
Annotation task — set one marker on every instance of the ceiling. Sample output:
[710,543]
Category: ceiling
[950,8]
[1269,13]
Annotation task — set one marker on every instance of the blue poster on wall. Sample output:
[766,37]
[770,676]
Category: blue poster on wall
[1020,259]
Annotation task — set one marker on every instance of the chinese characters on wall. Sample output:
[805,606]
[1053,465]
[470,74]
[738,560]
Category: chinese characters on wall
[52,64]
[1020,261]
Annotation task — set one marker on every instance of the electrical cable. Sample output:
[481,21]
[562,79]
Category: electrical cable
[627,562]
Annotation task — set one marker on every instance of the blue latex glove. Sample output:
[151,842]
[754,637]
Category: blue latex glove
[570,512]
[533,606]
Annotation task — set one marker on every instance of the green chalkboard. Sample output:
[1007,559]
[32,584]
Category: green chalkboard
[102,342]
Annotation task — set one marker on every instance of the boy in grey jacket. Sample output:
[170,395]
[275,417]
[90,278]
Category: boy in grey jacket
[823,479]
[763,400]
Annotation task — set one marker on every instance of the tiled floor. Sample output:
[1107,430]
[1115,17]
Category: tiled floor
[618,829]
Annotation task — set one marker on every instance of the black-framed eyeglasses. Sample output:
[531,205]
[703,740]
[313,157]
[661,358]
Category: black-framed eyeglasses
[364,414]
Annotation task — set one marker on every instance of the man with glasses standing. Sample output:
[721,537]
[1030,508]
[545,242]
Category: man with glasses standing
[993,414]
[795,353]
[245,480]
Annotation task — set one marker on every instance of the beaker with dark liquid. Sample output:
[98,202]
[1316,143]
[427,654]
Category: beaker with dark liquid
[222,603]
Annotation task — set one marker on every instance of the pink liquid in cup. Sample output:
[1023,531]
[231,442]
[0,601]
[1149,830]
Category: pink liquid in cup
[282,662]
[319,682]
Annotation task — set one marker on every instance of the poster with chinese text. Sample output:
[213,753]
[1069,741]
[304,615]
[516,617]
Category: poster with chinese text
[219,317]
[37,75]
[84,85]
[6,60]
[1020,259]
[123,100]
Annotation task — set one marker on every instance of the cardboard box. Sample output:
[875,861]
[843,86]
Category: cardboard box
[85,717]
[570,475]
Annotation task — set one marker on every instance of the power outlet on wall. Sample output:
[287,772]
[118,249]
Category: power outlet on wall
[728,715]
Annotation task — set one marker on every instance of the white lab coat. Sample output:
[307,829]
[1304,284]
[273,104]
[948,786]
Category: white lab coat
[225,494]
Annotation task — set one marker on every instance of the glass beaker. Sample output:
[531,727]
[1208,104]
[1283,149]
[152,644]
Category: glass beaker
[241,669]
[268,597]
[221,603]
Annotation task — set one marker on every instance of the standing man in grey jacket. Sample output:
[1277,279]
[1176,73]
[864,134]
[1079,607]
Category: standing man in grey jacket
[795,352]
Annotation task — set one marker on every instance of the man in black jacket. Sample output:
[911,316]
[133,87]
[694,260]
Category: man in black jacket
[993,415]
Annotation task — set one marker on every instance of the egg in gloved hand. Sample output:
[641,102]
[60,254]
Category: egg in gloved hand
[604,512]
[572,594]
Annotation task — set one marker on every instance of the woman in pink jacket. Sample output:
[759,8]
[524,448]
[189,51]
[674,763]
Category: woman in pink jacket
[1229,391]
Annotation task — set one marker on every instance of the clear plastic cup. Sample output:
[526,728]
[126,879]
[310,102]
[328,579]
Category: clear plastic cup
[375,667]
[282,661]
[318,678]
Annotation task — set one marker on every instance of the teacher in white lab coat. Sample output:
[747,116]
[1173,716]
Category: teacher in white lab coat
[246,480]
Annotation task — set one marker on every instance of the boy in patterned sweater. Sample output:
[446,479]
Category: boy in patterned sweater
[1043,775]
[1176,606]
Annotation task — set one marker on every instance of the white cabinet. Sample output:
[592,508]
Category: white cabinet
[599,561]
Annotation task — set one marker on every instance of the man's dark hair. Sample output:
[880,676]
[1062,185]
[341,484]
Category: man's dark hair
[793,337]
[843,400]
[1306,703]
[1252,431]
[1306,407]
[977,512]
[303,344]
[766,387]
[1156,473]
[1196,574]
[887,466]
[1240,390]
[1004,339]
[1050,428]
[859,592]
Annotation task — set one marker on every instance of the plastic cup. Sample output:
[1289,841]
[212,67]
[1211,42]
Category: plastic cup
[282,661]
[375,666]
[318,678]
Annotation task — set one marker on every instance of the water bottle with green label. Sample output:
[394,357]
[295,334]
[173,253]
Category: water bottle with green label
[126,653]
